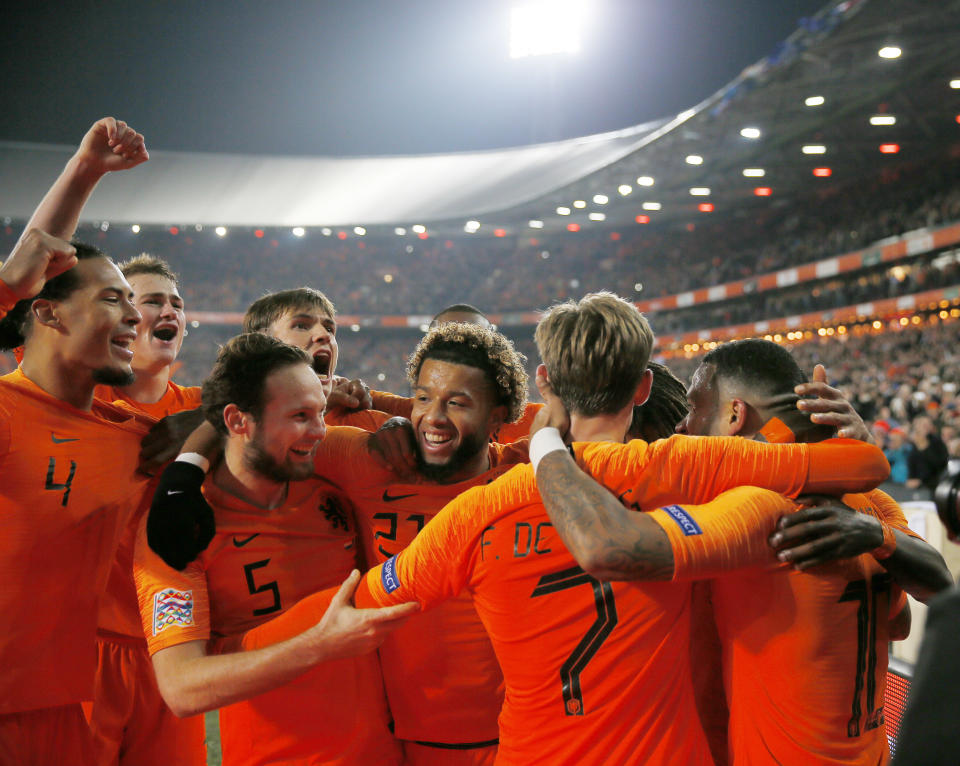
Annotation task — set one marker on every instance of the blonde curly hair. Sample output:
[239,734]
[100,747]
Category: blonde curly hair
[480,347]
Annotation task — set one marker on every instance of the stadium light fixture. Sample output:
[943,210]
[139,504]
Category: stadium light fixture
[354,328]
[196,227]
[535,224]
[700,191]
[955,84]
[326,232]
[563,210]
[814,101]
[624,189]
[694,159]
[651,206]
[579,204]
[750,132]
[638,287]
[883,119]
[471,227]
[889,52]
[814,149]
[645,180]
[388,278]
[359,231]
[600,199]
[221,231]
[597,216]
[104,225]
[419,228]
[399,231]
[546,28]
[754,172]
[135,228]
[299,231]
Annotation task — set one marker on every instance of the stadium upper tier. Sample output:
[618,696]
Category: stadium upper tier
[817,92]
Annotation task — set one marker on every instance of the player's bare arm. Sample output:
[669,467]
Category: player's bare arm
[37,257]
[193,681]
[824,533]
[607,540]
[828,406]
[169,437]
[109,145]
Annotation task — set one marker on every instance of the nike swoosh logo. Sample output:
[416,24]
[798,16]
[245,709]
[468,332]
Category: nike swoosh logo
[387,498]
[62,441]
[174,491]
[241,543]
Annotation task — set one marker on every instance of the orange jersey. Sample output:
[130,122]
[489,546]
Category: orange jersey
[258,564]
[367,420]
[402,406]
[804,653]
[67,487]
[119,610]
[442,678]
[596,673]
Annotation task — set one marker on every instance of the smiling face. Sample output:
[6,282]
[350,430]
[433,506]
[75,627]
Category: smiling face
[454,414]
[283,441]
[161,332]
[97,323]
[315,332]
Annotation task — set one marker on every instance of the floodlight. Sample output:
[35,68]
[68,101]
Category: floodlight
[883,119]
[471,226]
[750,132]
[299,231]
[601,199]
[135,228]
[221,231]
[579,204]
[563,210]
[597,217]
[814,149]
[535,224]
[645,181]
[694,159]
[700,191]
[419,228]
[651,205]
[546,28]
[399,231]
[754,172]
[624,189]
[359,231]
[326,232]
[955,84]
[889,52]
[814,101]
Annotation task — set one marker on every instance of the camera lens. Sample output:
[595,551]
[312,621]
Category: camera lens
[947,498]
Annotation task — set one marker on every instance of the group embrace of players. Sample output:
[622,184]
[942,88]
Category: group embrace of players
[655,601]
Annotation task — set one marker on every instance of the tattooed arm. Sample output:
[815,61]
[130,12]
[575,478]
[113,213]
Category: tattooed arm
[609,541]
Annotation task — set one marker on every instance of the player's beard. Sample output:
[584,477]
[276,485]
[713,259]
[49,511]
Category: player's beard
[440,472]
[111,376]
[260,461]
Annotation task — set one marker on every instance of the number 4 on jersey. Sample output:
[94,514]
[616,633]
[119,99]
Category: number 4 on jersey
[55,486]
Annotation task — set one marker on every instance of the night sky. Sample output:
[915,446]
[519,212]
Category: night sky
[359,77]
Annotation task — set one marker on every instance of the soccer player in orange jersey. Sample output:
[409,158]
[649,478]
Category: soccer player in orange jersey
[792,699]
[127,715]
[67,473]
[281,535]
[599,674]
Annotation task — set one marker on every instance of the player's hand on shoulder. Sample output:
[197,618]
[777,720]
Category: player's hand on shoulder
[827,405]
[826,530]
[553,414]
[111,145]
[393,445]
[180,524]
[346,631]
[36,258]
[349,395]
[164,441]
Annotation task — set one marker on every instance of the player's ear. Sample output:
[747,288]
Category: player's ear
[45,313]
[644,388]
[236,420]
[737,417]
[498,416]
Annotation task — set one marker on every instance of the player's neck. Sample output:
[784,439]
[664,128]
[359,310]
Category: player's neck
[236,478]
[149,387]
[51,374]
[599,428]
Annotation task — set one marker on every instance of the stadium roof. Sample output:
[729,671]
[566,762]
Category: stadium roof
[834,56]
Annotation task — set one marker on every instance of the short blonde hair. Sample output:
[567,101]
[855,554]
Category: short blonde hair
[595,350]
[481,347]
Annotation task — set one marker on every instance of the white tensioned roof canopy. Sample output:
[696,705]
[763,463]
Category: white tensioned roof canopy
[834,55]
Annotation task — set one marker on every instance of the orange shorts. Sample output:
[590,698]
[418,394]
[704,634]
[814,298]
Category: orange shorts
[415,754]
[47,737]
[130,721]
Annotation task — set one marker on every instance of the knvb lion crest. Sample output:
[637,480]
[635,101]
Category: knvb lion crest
[334,513]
